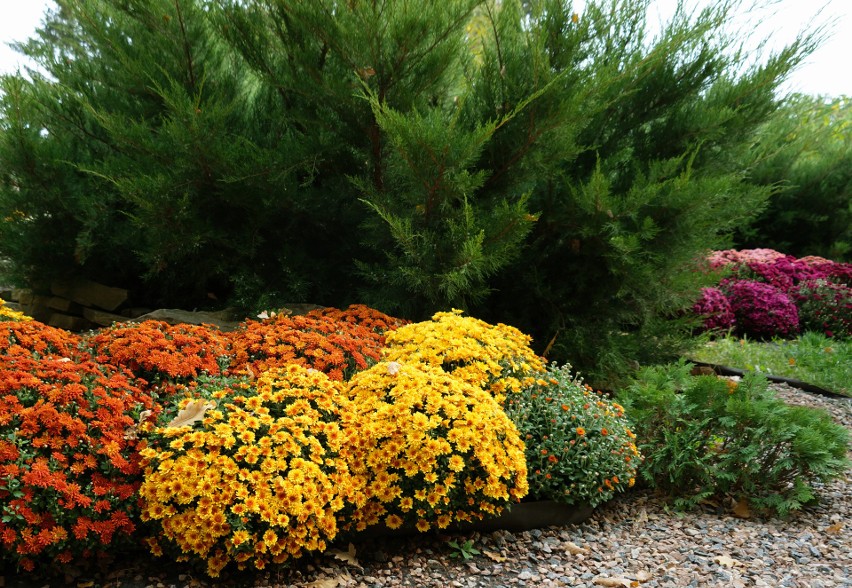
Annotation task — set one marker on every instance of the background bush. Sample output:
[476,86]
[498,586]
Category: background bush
[804,150]
[558,172]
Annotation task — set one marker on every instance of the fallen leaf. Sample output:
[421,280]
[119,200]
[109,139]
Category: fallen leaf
[643,576]
[346,556]
[740,508]
[724,560]
[613,582]
[324,583]
[834,529]
[193,412]
[494,556]
[574,549]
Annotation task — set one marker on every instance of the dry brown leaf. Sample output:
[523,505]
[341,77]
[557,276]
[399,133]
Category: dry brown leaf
[834,529]
[346,556]
[643,576]
[574,549]
[613,582]
[494,556]
[724,560]
[193,412]
[324,583]
[740,509]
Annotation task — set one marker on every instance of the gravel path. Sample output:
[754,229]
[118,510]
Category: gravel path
[631,541]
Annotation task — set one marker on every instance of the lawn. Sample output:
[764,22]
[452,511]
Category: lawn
[811,357]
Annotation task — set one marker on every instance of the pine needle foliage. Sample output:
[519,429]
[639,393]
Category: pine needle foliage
[706,438]
[553,170]
[804,152]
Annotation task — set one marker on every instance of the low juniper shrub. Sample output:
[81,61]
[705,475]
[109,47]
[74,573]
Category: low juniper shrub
[705,437]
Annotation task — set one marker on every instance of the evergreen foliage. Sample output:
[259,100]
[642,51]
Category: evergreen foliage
[555,171]
[704,437]
[804,151]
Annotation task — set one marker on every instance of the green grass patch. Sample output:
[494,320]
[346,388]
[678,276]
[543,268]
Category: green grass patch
[812,358]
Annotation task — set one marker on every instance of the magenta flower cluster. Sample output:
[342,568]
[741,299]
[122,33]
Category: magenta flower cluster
[715,309]
[770,294]
[762,310]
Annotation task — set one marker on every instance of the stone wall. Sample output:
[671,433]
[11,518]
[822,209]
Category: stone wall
[75,305]
[81,305]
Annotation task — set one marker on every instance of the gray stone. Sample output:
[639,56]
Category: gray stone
[37,308]
[223,319]
[22,295]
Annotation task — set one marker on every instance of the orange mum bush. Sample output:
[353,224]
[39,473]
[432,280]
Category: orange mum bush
[161,353]
[251,473]
[433,450]
[361,315]
[35,339]
[338,348]
[69,470]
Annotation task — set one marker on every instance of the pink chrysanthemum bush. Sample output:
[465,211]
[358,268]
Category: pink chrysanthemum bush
[252,472]
[762,310]
[497,358]
[825,307]
[715,310]
[69,469]
[762,284]
[435,449]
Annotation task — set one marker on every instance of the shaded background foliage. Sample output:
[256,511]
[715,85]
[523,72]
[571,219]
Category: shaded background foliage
[556,171]
[804,150]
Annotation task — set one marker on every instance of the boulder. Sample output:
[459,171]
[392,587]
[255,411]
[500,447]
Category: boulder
[64,305]
[224,319]
[103,318]
[68,322]
[89,293]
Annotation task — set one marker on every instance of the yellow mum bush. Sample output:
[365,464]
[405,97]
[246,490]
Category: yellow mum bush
[257,478]
[497,358]
[7,314]
[435,449]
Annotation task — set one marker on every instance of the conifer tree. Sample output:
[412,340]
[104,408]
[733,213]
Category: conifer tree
[554,170]
[804,152]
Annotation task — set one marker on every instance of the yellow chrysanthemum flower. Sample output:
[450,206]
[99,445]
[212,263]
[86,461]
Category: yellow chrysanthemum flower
[195,483]
[417,414]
